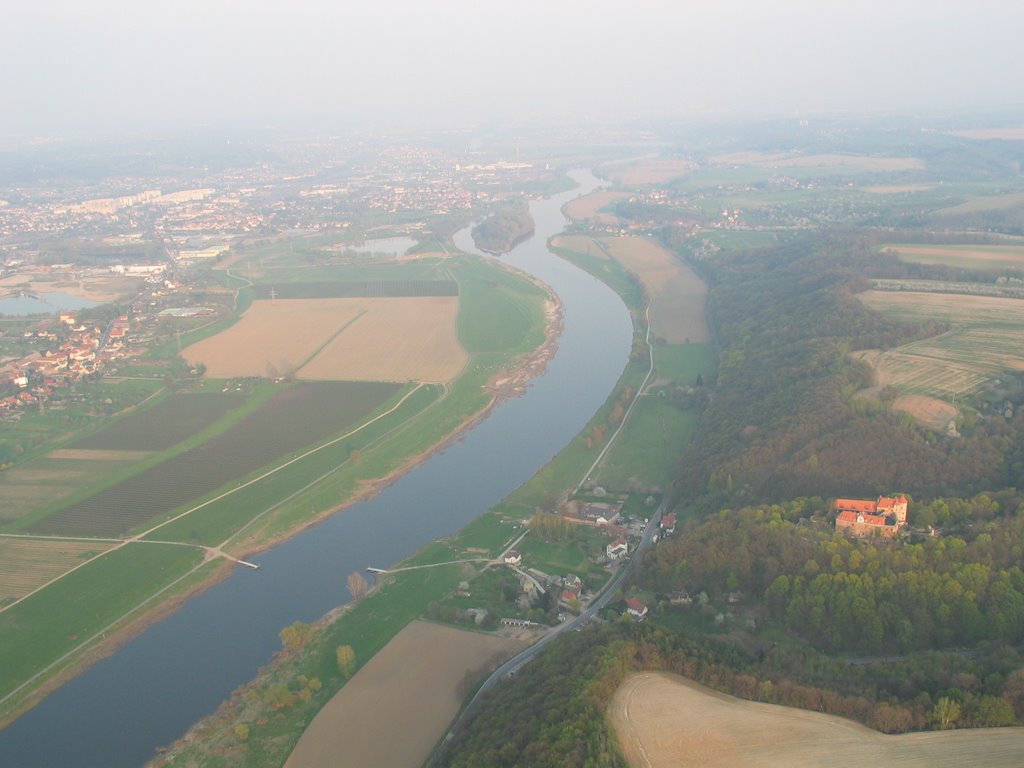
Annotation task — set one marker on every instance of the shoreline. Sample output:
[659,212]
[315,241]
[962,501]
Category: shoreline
[509,383]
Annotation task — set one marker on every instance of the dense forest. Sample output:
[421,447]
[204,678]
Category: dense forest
[504,228]
[784,420]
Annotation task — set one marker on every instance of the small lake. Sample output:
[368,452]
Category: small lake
[48,303]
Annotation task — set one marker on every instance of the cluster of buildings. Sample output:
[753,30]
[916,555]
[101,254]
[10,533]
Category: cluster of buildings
[78,350]
[863,518]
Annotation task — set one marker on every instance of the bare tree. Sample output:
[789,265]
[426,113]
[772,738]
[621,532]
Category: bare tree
[357,585]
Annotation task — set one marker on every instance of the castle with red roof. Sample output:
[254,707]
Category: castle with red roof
[860,517]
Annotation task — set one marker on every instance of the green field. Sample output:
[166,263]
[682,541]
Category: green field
[358,289]
[647,450]
[995,257]
[39,630]
[683,363]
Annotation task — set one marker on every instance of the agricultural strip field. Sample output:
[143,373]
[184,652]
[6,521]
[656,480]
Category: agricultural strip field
[170,421]
[966,256]
[667,720]
[317,481]
[45,481]
[294,418]
[677,294]
[350,339]
[413,687]
[26,564]
[986,340]
[588,207]
[37,631]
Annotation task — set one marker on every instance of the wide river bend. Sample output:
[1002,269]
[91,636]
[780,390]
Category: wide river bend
[180,669]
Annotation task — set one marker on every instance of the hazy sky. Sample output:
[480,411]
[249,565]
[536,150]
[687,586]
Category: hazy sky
[103,63]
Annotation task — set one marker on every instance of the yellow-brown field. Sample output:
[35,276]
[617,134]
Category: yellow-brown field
[648,171]
[349,339]
[961,309]
[987,339]
[985,256]
[663,720]
[677,294]
[933,413]
[398,706]
[588,207]
[26,564]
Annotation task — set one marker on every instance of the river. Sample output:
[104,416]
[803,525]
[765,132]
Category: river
[179,670]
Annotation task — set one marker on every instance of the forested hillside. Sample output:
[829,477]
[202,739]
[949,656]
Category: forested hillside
[784,420]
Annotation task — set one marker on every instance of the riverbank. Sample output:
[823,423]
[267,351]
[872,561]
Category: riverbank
[447,416]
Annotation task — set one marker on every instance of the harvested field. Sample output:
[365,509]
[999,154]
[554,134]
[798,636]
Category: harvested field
[677,294]
[273,337]
[971,256]
[986,341]
[397,706]
[26,564]
[929,411]
[648,171]
[343,339]
[170,421]
[295,418]
[956,308]
[397,339]
[666,720]
[588,208]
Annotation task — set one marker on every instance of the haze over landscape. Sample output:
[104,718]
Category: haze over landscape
[71,67]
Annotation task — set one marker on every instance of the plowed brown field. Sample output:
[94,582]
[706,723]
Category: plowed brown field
[397,706]
[349,339]
[665,720]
